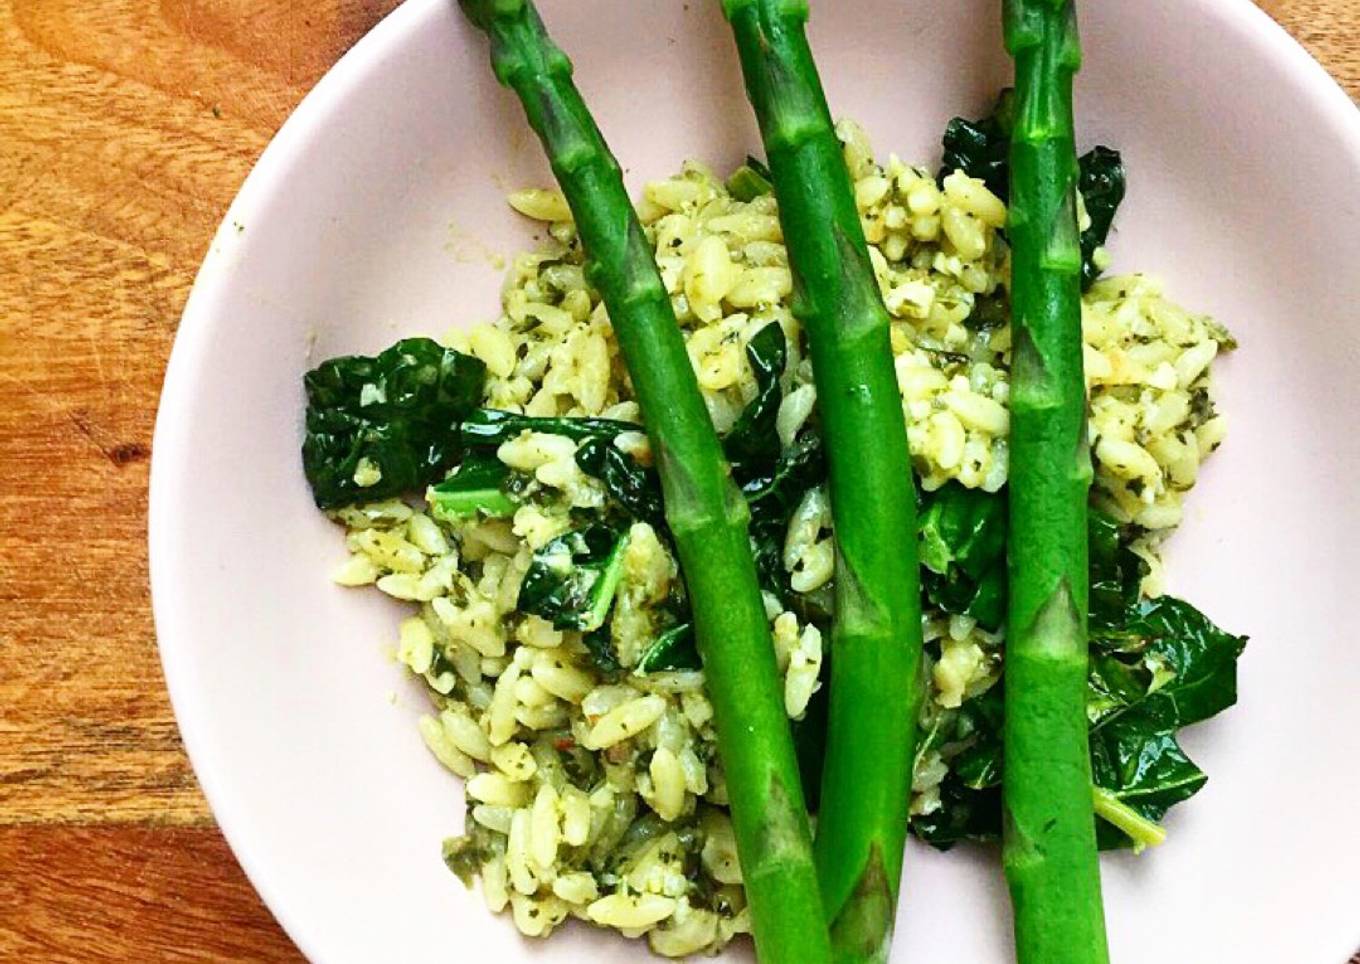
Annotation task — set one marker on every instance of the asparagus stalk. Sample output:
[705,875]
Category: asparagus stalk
[876,635]
[1049,848]
[703,507]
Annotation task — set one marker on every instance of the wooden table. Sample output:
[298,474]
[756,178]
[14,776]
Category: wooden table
[126,126]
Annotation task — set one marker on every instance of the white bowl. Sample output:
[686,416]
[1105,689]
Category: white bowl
[374,214]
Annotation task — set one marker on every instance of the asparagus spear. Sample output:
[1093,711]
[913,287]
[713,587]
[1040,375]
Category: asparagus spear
[703,507]
[876,635]
[1049,839]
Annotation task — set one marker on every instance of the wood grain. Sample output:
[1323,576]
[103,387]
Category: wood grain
[126,126]
[85,894]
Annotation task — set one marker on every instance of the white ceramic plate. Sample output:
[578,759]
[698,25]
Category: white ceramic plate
[373,214]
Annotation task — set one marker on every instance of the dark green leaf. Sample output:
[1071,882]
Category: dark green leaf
[672,650]
[1156,666]
[1164,668]
[1174,637]
[962,527]
[772,497]
[981,148]
[1101,181]
[491,426]
[397,412]
[752,445]
[964,814]
[750,181]
[572,580]
[1116,571]
[989,312]
[978,766]
[963,546]
[601,650]
[635,488]
[479,485]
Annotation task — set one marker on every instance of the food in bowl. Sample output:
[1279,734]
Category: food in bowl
[549,619]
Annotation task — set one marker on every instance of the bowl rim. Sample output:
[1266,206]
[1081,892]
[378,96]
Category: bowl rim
[269,175]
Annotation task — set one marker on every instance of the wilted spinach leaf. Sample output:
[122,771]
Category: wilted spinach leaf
[1165,667]
[809,737]
[963,552]
[635,488]
[674,649]
[772,481]
[572,580]
[1101,182]
[982,148]
[750,181]
[479,485]
[492,426]
[392,419]
[1156,665]
[964,814]
[970,794]
[752,445]
[1116,572]
[772,496]
[601,650]
[989,312]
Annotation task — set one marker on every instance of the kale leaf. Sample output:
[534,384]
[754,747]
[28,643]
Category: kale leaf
[981,149]
[572,580]
[750,181]
[492,426]
[773,481]
[386,425]
[600,649]
[1116,572]
[1156,665]
[970,794]
[480,485]
[1165,667]
[752,445]
[635,488]
[674,649]
[1102,181]
[963,552]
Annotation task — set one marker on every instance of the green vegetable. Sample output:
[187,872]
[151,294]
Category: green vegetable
[981,149]
[573,579]
[706,514]
[1164,668]
[478,486]
[1116,572]
[876,634]
[773,481]
[1142,831]
[1102,189]
[490,427]
[1049,842]
[672,650]
[752,444]
[963,552]
[970,797]
[384,426]
[750,181]
[773,495]
[600,648]
[1154,666]
[635,488]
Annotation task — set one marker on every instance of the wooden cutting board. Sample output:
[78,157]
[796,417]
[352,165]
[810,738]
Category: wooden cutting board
[126,127]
